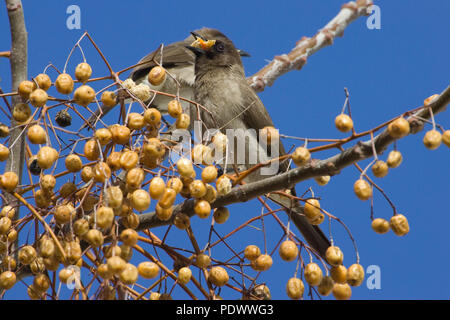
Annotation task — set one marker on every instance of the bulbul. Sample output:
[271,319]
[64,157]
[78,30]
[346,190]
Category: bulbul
[179,62]
[221,87]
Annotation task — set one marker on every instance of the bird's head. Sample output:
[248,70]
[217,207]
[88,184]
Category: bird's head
[214,49]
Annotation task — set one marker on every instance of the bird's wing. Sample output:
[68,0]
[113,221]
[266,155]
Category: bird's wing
[174,54]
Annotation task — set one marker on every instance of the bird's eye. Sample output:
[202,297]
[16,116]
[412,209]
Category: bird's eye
[220,47]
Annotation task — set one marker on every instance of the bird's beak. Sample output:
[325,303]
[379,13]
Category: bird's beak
[196,36]
[243,53]
[196,51]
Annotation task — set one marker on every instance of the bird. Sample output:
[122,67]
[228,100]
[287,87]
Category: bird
[230,103]
[179,62]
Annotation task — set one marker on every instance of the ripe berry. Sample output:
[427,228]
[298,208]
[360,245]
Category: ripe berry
[21,112]
[38,98]
[362,189]
[36,134]
[4,130]
[446,138]
[322,180]
[185,168]
[343,123]
[202,260]
[202,209]
[355,275]
[64,83]
[295,288]
[379,225]
[84,95]
[64,213]
[26,87]
[94,237]
[102,172]
[262,263]
[73,163]
[83,72]
[120,134]
[47,182]
[218,276]
[175,184]
[184,275]
[4,153]
[148,270]
[394,159]
[129,275]
[174,108]
[399,224]
[398,128]
[288,250]
[221,215]
[7,280]
[339,274]
[128,159]
[108,99]
[43,81]
[104,217]
[152,116]
[252,252]
[182,221]
[197,189]
[209,174]
[269,135]
[312,208]
[183,121]
[313,274]
[301,156]
[157,76]
[342,291]
[168,198]
[380,169]
[135,121]
[432,139]
[9,181]
[140,200]
[334,255]
[325,286]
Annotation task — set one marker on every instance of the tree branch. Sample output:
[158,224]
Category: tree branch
[19,63]
[304,48]
[330,166]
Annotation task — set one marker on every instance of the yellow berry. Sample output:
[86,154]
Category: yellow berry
[343,123]
[394,159]
[399,224]
[84,95]
[339,274]
[218,276]
[252,252]
[362,189]
[334,255]
[288,250]
[380,225]
[43,81]
[432,139]
[108,98]
[301,156]
[38,98]
[355,275]
[325,286]
[295,288]
[221,215]
[64,83]
[398,128]
[342,291]
[380,169]
[313,274]
[157,75]
[83,72]
[148,270]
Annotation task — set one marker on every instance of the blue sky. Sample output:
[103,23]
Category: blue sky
[387,72]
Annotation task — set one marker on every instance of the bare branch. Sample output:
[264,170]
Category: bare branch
[304,48]
[330,166]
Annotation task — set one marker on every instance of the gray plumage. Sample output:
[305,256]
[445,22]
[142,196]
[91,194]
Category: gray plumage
[221,87]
